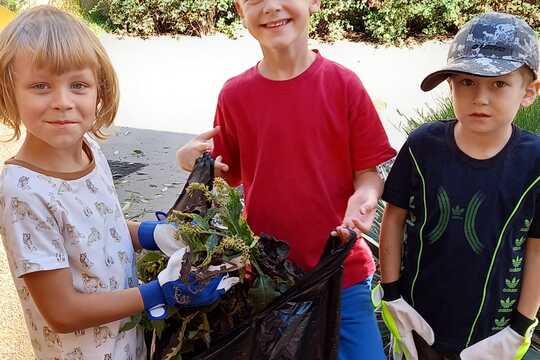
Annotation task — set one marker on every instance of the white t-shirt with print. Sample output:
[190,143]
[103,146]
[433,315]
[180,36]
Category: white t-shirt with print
[54,221]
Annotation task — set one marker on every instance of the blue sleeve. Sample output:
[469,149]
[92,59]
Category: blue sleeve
[397,188]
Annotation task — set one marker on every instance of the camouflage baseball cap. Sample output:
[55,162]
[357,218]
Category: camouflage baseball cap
[491,44]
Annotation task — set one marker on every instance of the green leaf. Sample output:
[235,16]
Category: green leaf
[213,240]
[202,222]
[159,326]
[132,323]
[245,232]
[210,214]
[263,293]
[151,256]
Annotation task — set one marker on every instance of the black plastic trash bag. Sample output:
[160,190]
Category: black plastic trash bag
[195,202]
[302,323]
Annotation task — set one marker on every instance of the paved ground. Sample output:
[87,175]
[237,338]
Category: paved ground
[144,167]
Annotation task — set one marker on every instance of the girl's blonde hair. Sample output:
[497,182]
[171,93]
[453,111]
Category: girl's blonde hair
[57,40]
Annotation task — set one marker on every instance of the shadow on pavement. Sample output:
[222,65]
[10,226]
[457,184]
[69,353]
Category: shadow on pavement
[144,169]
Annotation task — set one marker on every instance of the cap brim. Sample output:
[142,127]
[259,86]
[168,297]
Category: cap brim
[482,66]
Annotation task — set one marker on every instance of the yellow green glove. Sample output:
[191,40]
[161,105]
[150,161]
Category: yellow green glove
[401,320]
[511,343]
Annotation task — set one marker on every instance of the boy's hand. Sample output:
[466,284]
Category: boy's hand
[510,343]
[360,213]
[187,154]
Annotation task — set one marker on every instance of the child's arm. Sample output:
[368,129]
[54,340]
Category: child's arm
[133,228]
[401,319]
[67,310]
[362,204]
[391,236]
[529,299]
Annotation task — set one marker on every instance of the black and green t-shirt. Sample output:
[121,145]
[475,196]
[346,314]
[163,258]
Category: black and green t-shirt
[467,226]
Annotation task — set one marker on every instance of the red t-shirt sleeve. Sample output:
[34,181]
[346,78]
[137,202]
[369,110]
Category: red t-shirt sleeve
[226,143]
[369,143]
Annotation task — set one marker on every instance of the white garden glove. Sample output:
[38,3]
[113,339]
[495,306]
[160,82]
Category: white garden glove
[511,343]
[159,235]
[401,319]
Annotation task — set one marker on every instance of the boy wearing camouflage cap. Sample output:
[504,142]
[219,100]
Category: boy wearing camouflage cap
[466,194]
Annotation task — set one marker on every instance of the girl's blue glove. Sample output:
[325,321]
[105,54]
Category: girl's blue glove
[169,290]
[159,235]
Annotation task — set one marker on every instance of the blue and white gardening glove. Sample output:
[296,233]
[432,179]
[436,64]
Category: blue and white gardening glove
[159,235]
[401,320]
[169,290]
[511,343]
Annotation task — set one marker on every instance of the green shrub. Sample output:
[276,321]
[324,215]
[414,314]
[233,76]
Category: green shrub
[384,21]
[15,5]
[394,20]
[187,17]
[338,19]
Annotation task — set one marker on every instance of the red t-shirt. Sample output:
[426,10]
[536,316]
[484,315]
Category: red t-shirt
[295,146]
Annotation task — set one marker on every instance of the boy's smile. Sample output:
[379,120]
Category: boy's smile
[278,24]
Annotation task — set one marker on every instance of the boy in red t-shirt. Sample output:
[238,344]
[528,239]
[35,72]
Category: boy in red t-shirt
[301,134]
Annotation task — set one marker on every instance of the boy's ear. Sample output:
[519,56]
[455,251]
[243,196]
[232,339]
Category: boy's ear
[239,9]
[449,81]
[531,92]
[240,12]
[314,6]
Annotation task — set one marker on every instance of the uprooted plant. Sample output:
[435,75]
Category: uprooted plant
[217,233]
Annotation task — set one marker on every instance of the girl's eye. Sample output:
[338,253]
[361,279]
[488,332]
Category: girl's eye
[78,86]
[40,86]
[500,84]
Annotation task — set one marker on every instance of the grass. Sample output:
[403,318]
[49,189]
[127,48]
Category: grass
[527,118]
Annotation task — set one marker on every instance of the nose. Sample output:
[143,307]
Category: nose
[481,96]
[62,100]
[271,6]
